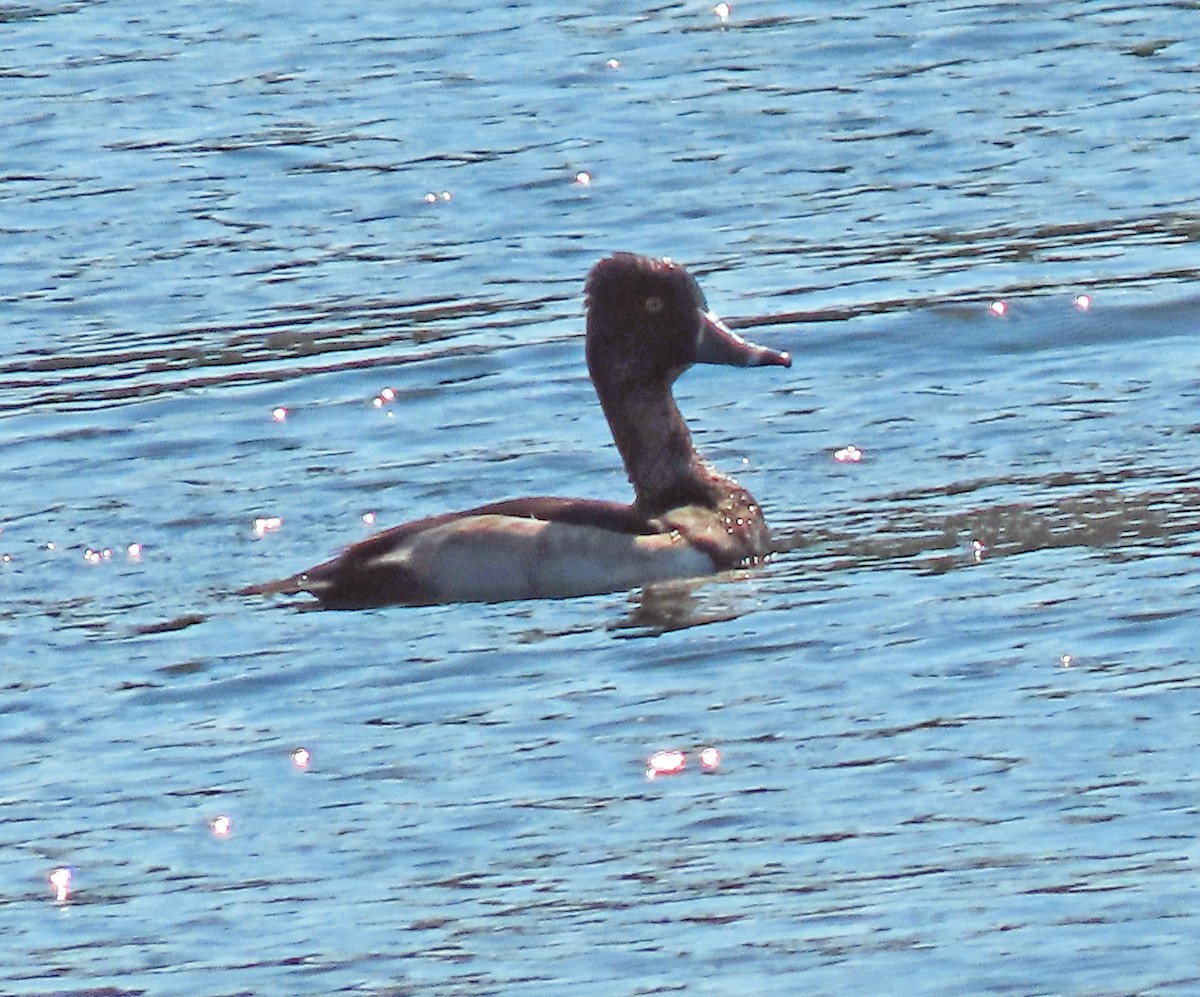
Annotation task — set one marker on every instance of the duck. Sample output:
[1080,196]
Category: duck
[647,323]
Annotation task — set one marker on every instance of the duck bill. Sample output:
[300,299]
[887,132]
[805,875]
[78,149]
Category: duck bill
[717,343]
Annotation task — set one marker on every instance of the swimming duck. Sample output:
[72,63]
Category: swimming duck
[647,322]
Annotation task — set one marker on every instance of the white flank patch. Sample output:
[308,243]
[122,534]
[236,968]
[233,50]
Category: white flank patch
[494,558]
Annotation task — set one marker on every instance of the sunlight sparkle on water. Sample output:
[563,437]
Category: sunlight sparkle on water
[1083,302]
[279,413]
[221,826]
[267,524]
[723,10]
[301,757]
[998,308]
[614,63]
[368,518]
[134,551]
[710,759]
[665,763]
[60,883]
[583,178]
[848,455]
[433,197]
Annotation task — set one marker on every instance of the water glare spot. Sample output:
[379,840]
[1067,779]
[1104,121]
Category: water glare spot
[301,757]
[279,413]
[998,308]
[368,518]
[385,397]
[665,763]
[848,455]
[583,178]
[94,556]
[60,883]
[614,63]
[1083,302]
[433,196]
[978,549]
[134,551]
[1066,661]
[267,524]
[221,826]
[710,759]
[723,10]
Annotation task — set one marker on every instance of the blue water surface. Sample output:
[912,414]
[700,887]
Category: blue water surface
[957,714]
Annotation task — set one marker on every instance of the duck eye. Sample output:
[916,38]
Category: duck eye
[654,304]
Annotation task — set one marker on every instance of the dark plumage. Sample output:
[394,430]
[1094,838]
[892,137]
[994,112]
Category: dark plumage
[647,323]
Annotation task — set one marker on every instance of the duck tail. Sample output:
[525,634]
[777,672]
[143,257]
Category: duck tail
[295,585]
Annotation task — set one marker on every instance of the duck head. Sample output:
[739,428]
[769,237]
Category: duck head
[648,322]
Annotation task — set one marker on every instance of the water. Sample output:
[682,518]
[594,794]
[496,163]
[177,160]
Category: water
[958,713]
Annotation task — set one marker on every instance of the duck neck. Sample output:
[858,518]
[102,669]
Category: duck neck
[662,463]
